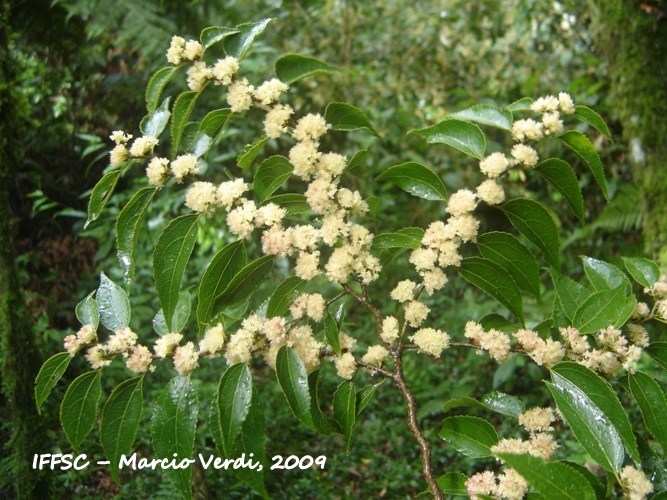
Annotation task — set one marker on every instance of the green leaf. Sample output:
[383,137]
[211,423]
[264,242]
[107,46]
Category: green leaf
[600,310]
[214,34]
[331,332]
[181,312]
[453,483]
[170,257]
[270,175]
[471,436]
[658,352]
[395,240]
[87,311]
[159,324]
[604,276]
[126,229]
[532,220]
[589,116]
[223,267]
[101,194]
[494,280]
[114,306]
[293,381]
[462,135]
[49,375]
[504,404]
[234,399]
[510,254]
[643,271]
[345,117]
[291,68]
[154,123]
[294,203]
[215,121]
[560,175]
[486,115]
[243,284]
[498,322]
[652,403]
[593,480]
[249,153]
[584,148]
[570,294]
[324,425]
[344,405]
[652,464]
[356,164]
[120,421]
[284,295]
[590,425]
[184,105]
[238,44]
[156,85]
[551,479]
[463,401]
[78,410]
[365,395]
[600,392]
[416,179]
[522,104]
[173,429]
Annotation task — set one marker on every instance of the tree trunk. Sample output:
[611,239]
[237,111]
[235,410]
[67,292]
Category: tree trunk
[632,37]
[20,357]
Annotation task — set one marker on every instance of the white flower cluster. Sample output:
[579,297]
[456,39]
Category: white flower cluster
[510,485]
[431,341]
[141,147]
[543,352]
[181,51]
[635,483]
[86,335]
[495,342]
[123,342]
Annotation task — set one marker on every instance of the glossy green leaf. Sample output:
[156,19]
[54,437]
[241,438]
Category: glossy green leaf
[605,276]
[365,395]
[234,399]
[658,352]
[600,392]
[593,480]
[270,175]
[291,68]
[170,257]
[238,44]
[551,479]
[498,322]
[78,410]
[589,116]
[101,194]
[114,306]
[183,107]
[395,240]
[206,133]
[215,121]
[652,403]
[356,164]
[590,425]
[323,424]
[571,295]
[643,271]
[88,312]
[154,123]
[486,114]
[471,436]
[462,135]
[284,295]
[345,117]
[243,284]
[181,312]
[293,381]
[156,85]
[126,229]
[223,267]
[600,310]
[522,104]
[49,375]
[294,203]
[533,221]
[560,175]
[215,34]
[495,281]
[344,405]
[246,157]
[331,332]
[120,421]
[513,256]
[173,429]
[159,324]
[504,404]
[453,483]
[416,179]
[653,465]
[584,148]
[463,401]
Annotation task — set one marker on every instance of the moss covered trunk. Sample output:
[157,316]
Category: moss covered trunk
[19,355]
[632,36]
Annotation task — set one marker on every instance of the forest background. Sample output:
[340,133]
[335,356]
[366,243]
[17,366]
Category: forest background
[71,71]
